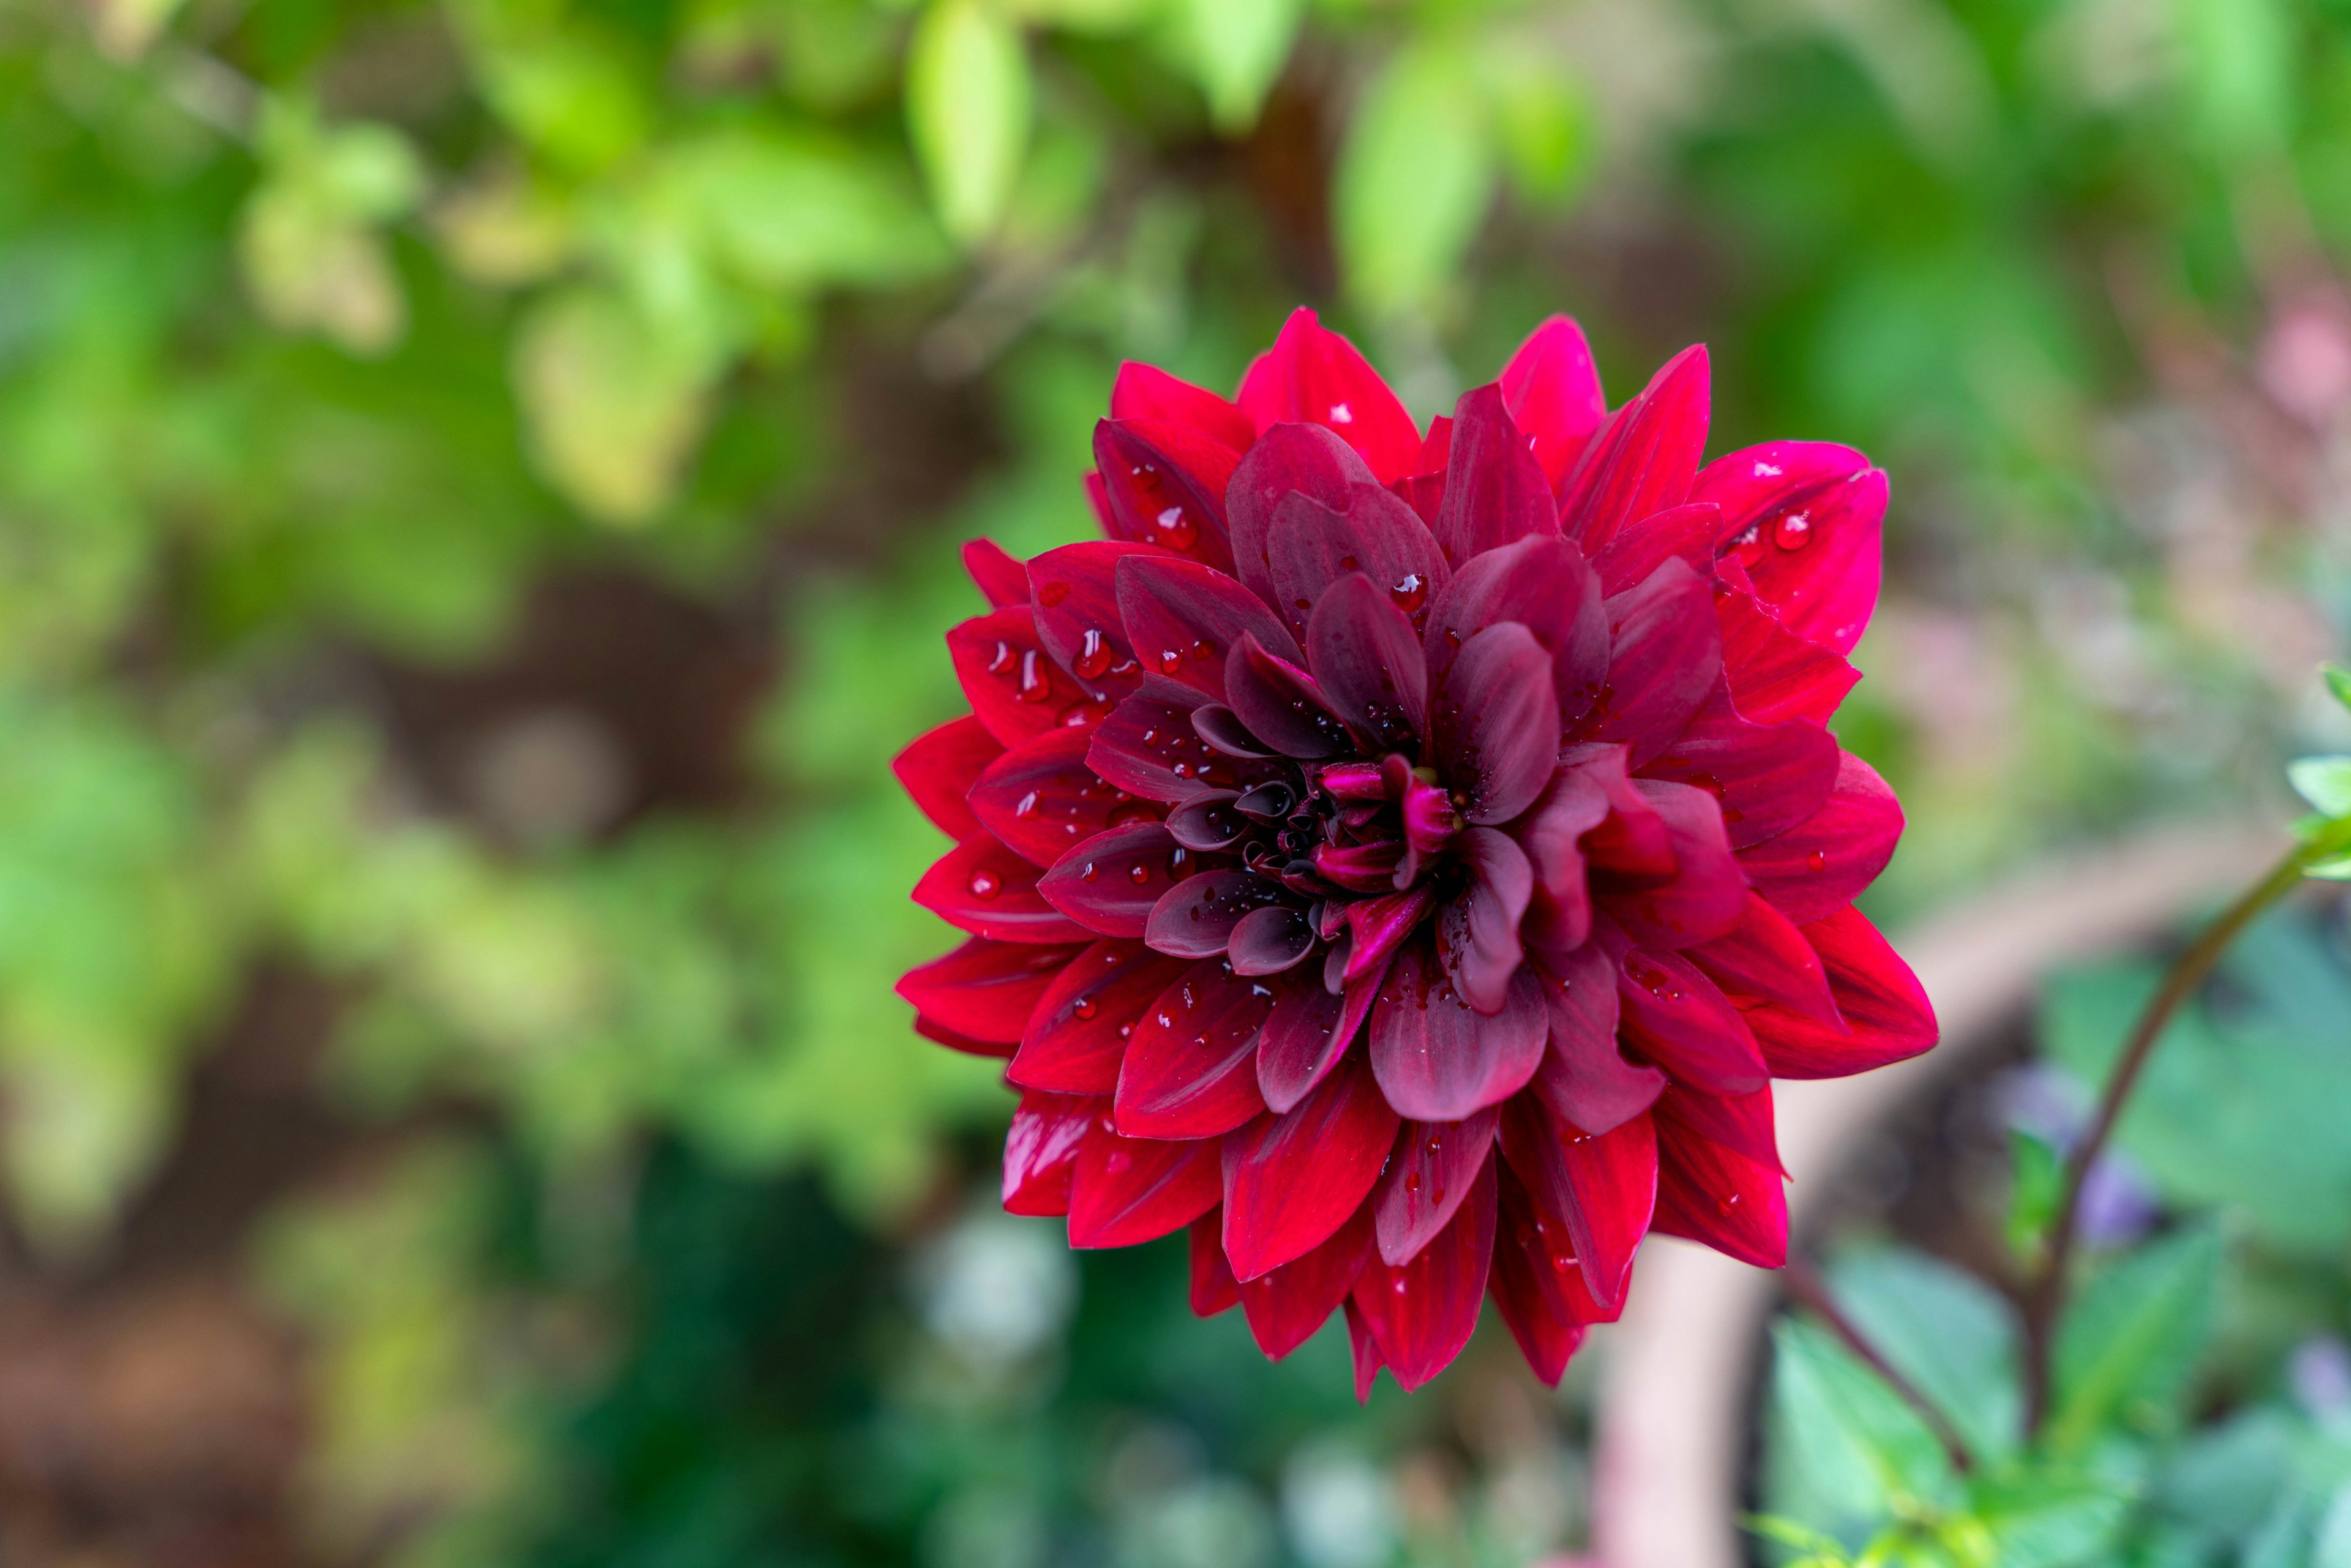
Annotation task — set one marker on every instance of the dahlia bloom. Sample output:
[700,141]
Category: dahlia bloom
[1406,858]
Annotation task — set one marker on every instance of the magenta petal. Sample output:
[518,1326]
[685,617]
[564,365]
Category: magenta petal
[1426,1179]
[1544,583]
[1214,1289]
[1076,605]
[1632,846]
[985,990]
[1146,392]
[1686,533]
[1194,919]
[1359,868]
[1282,705]
[1437,1059]
[1127,1190]
[1821,864]
[1287,1304]
[1666,658]
[1366,656]
[1740,1123]
[1148,747]
[1714,1195]
[1674,1015]
[1111,882]
[1804,519]
[1643,460]
[1495,490]
[1424,1312]
[1041,1151]
[1559,912]
[1182,619]
[1190,1071]
[1040,799]
[1012,684]
[1001,576]
[940,767]
[1312,546]
[1495,731]
[939,1034]
[1602,1186]
[1288,459]
[1270,940]
[1553,392]
[1765,958]
[1767,777]
[1292,1180]
[1529,1281]
[1478,930]
[1207,821]
[1077,1032]
[1584,1078]
[1222,728]
[1380,925]
[1705,897]
[1886,1011]
[988,891]
[1313,374]
[1309,1031]
[1165,486]
[1774,674]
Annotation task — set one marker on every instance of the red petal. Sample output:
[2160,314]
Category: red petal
[1190,1070]
[1109,882]
[1041,799]
[1148,747]
[1705,897]
[1495,730]
[1822,863]
[1182,619]
[1884,1006]
[1138,1189]
[940,767]
[1740,1123]
[1313,375]
[1768,778]
[1495,490]
[1686,533]
[1584,1078]
[1364,650]
[988,891]
[1012,684]
[1292,1180]
[1309,547]
[1077,616]
[1366,1349]
[1165,486]
[1281,704]
[1146,392]
[1676,1017]
[1527,1282]
[1309,1031]
[938,1034]
[1643,460]
[1552,391]
[1715,1195]
[1110,984]
[1041,1151]
[1805,518]
[1270,941]
[1288,459]
[1286,1305]
[1559,914]
[1428,1177]
[1544,583]
[1213,1287]
[1477,929]
[1766,959]
[1437,1058]
[1602,1186]
[1665,657]
[985,989]
[1002,580]
[1775,674]
[1422,1313]
[1194,919]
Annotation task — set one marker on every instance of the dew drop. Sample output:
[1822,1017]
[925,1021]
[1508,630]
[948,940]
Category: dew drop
[1412,1181]
[1341,415]
[1793,532]
[1203,652]
[1179,863]
[986,884]
[1028,806]
[1126,1031]
[1001,659]
[1093,656]
[1725,1204]
[1138,873]
[1170,661]
[1092,873]
[1177,530]
[1083,1008]
[1411,593]
[1036,685]
[1818,860]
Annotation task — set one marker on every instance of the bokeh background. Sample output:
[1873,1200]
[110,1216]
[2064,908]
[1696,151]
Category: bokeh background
[479,489]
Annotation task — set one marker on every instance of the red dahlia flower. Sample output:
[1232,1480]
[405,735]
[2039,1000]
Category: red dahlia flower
[1406,859]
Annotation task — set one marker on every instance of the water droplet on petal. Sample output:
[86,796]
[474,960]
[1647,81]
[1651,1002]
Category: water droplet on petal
[1170,661]
[1177,530]
[1138,873]
[1036,685]
[1818,860]
[986,884]
[1341,415]
[1093,656]
[1411,593]
[1028,806]
[1083,1008]
[1794,531]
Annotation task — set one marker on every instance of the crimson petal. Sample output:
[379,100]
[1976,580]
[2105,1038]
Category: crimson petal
[1768,777]
[1823,863]
[1148,746]
[1428,1177]
[1495,731]
[1002,581]
[1805,518]
[1287,1304]
[1602,1186]
[1774,674]
[1740,1123]
[1288,459]
[988,891]
[1674,1016]
[1528,1282]
[1553,392]
[1364,1350]
[1643,460]
[1146,392]
[1686,533]
[1270,940]
[1714,1195]
[1214,1289]
[1111,882]
[1165,486]
[1495,489]
[1422,1313]
[1281,704]
[1764,958]
[1041,1151]
[1040,799]
[1313,374]
[986,990]
[1886,1011]
[1559,913]
[1012,684]
[1365,653]
[1437,1058]
[1190,1070]
[1183,618]
[1194,919]
[1076,605]
[1706,896]
[940,767]
[939,1034]
[1544,583]
[1078,1031]
[1665,657]
[1477,929]
[1584,1078]
[1311,545]
[1128,1190]
[1292,1180]
[1309,1031]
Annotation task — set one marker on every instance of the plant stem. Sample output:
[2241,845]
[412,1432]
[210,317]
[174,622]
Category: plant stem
[2044,1294]
[1812,1293]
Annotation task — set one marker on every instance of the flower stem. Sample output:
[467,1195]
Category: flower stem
[1811,1292]
[2044,1292]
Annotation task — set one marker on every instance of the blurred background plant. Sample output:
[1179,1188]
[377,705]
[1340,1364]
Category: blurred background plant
[478,480]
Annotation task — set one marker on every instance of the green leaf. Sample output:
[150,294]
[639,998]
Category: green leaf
[2128,1344]
[2046,1520]
[2325,782]
[1953,1337]
[612,407]
[571,96]
[1414,179]
[1863,1450]
[2036,1184]
[1543,118]
[969,105]
[790,211]
[2338,681]
[1237,48]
